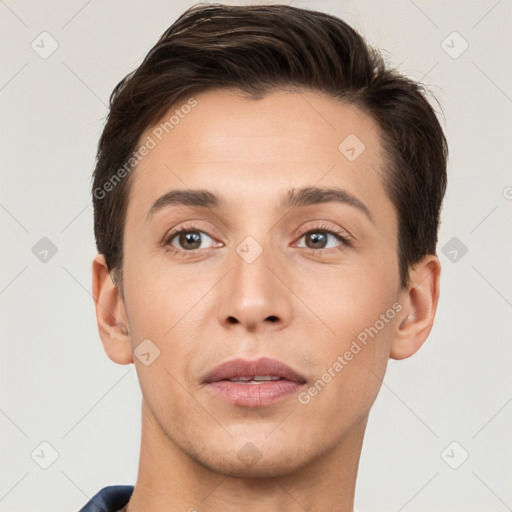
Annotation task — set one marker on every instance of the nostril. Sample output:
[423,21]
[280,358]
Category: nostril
[232,320]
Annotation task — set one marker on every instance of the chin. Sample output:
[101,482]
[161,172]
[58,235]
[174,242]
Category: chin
[249,462]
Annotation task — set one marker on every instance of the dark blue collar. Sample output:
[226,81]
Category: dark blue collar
[109,499]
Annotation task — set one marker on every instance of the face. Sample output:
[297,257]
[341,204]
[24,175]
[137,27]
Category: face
[263,271]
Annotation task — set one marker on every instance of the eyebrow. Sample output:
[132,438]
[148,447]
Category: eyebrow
[295,198]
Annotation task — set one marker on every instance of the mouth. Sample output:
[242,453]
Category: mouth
[255,383]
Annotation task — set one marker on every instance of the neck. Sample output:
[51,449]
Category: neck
[169,479]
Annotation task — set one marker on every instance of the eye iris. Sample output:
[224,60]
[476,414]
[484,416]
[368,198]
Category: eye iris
[193,238]
[316,237]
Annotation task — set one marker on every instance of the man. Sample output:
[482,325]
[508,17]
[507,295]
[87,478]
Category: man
[267,197]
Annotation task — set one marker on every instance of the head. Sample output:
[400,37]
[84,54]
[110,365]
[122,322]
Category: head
[270,112]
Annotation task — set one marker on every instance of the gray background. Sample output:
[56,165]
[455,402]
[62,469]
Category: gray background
[59,387]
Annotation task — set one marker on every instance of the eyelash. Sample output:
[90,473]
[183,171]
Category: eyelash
[337,233]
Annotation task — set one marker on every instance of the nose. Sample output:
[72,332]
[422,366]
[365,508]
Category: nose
[254,295]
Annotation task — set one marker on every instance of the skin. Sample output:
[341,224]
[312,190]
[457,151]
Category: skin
[211,307]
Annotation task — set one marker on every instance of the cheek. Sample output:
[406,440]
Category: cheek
[352,375]
[169,308]
[157,297]
[354,333]
[343,302]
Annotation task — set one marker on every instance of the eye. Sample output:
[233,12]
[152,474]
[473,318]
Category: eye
[188,239]
[318,239]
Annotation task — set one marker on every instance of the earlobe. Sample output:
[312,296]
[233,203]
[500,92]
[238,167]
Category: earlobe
[419,308]
[110,314]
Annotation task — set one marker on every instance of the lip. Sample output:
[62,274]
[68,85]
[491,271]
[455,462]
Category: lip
[243,368]
[253,395]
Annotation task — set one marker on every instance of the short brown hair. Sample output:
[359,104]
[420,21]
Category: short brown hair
[258,49]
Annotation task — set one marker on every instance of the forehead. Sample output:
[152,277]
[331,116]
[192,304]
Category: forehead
[280,126]
[249,150]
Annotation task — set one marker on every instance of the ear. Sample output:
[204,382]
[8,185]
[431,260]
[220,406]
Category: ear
[110,314]
[419,303]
